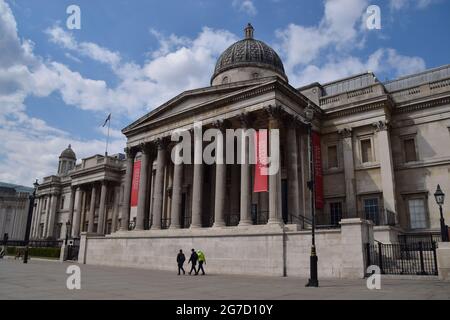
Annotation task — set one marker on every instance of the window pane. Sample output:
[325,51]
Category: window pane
[335,212]
[410,150]
[366,150]
[417,213]
[332,157]
[371,210]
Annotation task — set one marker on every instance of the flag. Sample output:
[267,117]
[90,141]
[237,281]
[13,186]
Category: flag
[107,119]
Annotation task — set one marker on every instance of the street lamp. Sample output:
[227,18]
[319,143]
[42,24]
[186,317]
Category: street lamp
[313,280]
[440,196]
[29,218]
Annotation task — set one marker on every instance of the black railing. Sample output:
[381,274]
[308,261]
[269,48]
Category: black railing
[322,222]
[380,216]
[33,243]
[427,237]
[403,259]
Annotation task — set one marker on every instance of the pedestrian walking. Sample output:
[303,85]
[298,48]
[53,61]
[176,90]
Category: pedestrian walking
[180,261]
[193,260]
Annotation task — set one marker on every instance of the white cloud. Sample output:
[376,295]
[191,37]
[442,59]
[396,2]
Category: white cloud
[246,6]
[325,52]
[403,4]
[179,64]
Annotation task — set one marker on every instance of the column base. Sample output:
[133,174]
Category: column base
[245,223]
[172,227]
[275,222]
[195,226]
[156,228]
[219,225]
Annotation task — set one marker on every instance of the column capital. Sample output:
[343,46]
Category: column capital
[130,152]
[161,143]
[246,119]
[345,133]
[381,125]
[222,125]
[292,121]
[274,112]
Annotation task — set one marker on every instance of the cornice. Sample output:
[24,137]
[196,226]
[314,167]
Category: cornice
[422,105]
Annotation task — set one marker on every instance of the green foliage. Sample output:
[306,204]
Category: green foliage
[35,252]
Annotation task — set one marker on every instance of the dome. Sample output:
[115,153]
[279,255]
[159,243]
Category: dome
[249,53]
[68,153]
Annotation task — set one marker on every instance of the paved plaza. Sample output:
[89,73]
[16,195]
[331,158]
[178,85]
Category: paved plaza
[47,280]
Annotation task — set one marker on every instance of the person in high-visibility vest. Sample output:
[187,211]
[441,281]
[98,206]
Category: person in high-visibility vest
[201,261]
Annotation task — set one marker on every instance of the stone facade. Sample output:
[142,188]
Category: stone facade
[14,204]
[384,150]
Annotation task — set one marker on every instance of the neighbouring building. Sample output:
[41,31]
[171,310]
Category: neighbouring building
[385,146]
[14,204]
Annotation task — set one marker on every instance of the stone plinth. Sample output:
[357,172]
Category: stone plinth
[443,260]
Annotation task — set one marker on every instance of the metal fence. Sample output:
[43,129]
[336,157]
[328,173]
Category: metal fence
[403,259]
[33,243]
[419,237]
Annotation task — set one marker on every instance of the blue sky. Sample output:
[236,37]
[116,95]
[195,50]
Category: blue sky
[58,85]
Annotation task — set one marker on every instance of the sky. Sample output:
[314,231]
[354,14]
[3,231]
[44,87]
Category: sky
[58,85]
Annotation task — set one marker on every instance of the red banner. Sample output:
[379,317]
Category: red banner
[318,176]
[135,183]
[261,178]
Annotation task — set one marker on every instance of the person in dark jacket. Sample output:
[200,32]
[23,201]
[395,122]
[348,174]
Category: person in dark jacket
[180,260]
[193,260]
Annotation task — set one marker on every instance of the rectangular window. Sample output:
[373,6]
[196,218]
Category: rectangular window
[409,146]
[366,151]
[62,203]
[332,157]
[371,210]
[417,213]
[335,212]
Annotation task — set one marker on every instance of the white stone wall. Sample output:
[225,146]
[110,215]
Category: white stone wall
[256,250]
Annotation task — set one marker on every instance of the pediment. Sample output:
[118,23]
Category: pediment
[193,99]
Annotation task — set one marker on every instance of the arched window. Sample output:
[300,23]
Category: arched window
[256,75]
[225,80]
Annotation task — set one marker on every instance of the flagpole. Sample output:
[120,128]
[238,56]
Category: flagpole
[107,138]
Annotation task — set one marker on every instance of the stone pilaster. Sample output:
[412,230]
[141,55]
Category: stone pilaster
[102,209]
[159,185]
[92,209]
[349,172]
[125,214]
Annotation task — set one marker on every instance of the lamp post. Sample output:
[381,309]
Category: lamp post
[440,196]
[29,218]
[313,280]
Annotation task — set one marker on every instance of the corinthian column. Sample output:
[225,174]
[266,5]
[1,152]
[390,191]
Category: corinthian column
[221,178]
[176,190]
[197,180]
[102,209]
[274,179]
[125,214]
[159,185]
[142,197]
[386,166]
[292,168]
[92,210]
[245,210]
[77,213]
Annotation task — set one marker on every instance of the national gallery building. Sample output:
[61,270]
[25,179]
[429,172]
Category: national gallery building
[384,147]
